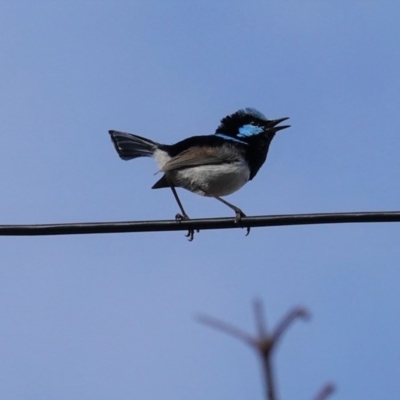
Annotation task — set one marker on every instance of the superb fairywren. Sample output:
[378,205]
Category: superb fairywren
[213,165]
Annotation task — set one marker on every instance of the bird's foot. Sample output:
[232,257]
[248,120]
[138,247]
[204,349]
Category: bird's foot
[239,214]
[185,217]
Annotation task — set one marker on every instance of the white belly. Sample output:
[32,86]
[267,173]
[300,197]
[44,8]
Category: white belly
[218,180]
[161,157]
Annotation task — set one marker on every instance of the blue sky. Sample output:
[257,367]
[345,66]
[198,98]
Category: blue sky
[112,316]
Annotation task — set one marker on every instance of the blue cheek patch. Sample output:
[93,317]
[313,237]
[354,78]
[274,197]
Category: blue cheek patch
[249,130]
[226,137]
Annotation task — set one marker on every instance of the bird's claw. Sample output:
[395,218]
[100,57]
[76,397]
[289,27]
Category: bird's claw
[190,235]
[190,232]
[238,217]
[180,217]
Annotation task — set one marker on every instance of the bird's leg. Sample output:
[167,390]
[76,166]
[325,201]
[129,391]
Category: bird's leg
[238,212]
[178,216]
[183,216]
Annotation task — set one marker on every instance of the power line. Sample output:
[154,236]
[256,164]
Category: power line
[201,224]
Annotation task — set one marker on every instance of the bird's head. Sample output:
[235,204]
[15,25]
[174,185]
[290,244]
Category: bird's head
[248,125]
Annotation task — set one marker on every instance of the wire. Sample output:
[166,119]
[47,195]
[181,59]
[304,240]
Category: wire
[194,224]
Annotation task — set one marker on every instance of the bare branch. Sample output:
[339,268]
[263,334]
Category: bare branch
[264,343]
[325,392]
[228,329]
[287,321]
[260,319]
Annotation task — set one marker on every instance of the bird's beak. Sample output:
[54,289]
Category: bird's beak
[279,128]
[277,121]
[272,124]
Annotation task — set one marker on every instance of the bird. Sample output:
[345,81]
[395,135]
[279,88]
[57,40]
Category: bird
[213,165]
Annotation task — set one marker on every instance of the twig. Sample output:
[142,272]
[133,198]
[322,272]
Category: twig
[264,344]
[228,329]
[325,392]
[285,323]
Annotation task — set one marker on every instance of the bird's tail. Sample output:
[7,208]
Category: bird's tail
[131,146]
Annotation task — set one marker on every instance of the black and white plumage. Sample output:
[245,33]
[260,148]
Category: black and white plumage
[213,165]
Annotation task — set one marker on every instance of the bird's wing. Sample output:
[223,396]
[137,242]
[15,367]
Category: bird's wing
[196,156]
